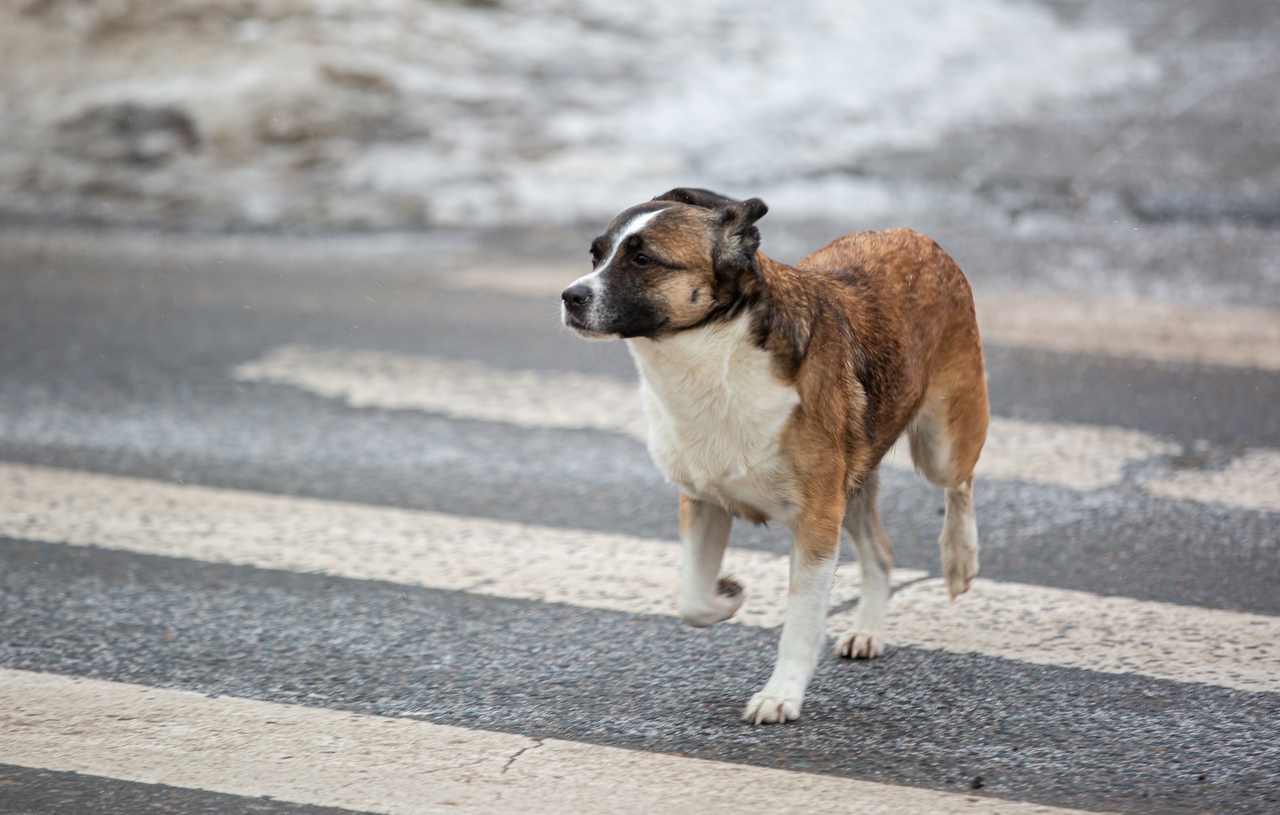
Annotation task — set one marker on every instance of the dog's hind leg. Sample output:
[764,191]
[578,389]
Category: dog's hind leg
[946,437]
[959,539]
[706,598]
[875,560]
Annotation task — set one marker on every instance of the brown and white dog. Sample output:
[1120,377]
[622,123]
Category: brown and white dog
[772,392]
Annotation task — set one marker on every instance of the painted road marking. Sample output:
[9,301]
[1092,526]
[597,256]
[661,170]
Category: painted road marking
[1233,336]
[1075,456]
[463,389]
[636,575]
[360,542]
[1228,335]
[1079,457]
[398,766]
[1253,481]
[1115,635]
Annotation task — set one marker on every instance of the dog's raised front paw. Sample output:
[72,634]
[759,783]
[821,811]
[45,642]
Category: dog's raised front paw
[860,645]
[773,707]
[719,607]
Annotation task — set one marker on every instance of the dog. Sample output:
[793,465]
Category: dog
[772,392]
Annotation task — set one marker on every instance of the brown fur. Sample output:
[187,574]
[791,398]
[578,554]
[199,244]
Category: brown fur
[877,335]
[889,324]
[870,329]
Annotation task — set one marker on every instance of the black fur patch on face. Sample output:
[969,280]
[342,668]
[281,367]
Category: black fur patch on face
[599,247]
[628,303]
[630,307]
[631,297]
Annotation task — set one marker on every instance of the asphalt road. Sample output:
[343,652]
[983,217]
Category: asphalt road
[117,357]
[120,366]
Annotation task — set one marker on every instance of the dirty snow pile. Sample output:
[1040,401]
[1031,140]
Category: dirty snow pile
[411,113]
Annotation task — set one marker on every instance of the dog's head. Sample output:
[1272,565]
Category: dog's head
[679,261]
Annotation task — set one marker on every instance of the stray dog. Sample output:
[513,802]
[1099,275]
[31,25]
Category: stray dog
[772,392]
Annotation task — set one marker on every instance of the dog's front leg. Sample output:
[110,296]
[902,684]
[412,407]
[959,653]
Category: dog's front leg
[706,598]
[813,565]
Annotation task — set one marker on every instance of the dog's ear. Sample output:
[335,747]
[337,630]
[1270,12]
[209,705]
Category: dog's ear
[738,238]
[696,197]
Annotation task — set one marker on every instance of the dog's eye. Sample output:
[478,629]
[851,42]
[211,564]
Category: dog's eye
[643,261]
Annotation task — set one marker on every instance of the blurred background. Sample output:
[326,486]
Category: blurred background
[322,114]
[395,114]
[409,115]
[313,249]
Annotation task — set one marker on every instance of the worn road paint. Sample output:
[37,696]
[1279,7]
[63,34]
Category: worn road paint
[620,573]
[1251,481]
[1117,635]
[1081,457]
[399,766]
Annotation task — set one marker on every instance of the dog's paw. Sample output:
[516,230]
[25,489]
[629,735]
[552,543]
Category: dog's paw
[773,707]
[959,572]
[719,607]
[860,645]
[731,593]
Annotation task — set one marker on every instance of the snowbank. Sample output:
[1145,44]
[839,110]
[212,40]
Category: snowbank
[405,113]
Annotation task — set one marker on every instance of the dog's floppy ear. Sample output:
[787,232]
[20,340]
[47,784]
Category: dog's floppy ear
[696,197]
[739,239]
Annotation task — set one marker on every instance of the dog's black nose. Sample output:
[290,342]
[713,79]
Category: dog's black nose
[575,297]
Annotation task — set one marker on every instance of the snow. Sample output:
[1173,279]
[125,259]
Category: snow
[401,113]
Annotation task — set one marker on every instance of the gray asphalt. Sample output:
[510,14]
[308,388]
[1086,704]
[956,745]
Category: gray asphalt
[122,369]
[922,718]
[115,353]
[105,374]
[23,790]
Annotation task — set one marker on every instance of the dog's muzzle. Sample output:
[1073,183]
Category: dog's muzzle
[577,305]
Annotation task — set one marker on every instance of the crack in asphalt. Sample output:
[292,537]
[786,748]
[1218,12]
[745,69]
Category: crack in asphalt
[536,744]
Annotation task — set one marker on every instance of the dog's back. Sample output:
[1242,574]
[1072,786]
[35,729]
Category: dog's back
[901,313]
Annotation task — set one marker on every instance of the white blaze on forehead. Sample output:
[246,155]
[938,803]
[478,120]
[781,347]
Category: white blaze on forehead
[628,229]
[632,226]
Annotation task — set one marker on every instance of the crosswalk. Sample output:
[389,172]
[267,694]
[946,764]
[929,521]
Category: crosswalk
[1198,667]
[635,575]
[1080,457]
[399,766]
[394,765]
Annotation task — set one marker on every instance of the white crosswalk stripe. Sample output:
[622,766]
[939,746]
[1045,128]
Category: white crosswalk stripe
[593,570]
[1251,481]
[326,757]
[400,766]
[1080,457]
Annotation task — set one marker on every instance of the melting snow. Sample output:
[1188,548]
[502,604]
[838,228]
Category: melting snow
[404,112]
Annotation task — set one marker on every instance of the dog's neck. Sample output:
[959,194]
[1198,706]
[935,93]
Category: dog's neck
[691,357]
[707,370]
[782,312]
[771,318]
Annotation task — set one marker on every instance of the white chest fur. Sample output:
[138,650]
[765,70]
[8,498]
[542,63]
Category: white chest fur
[716,412]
